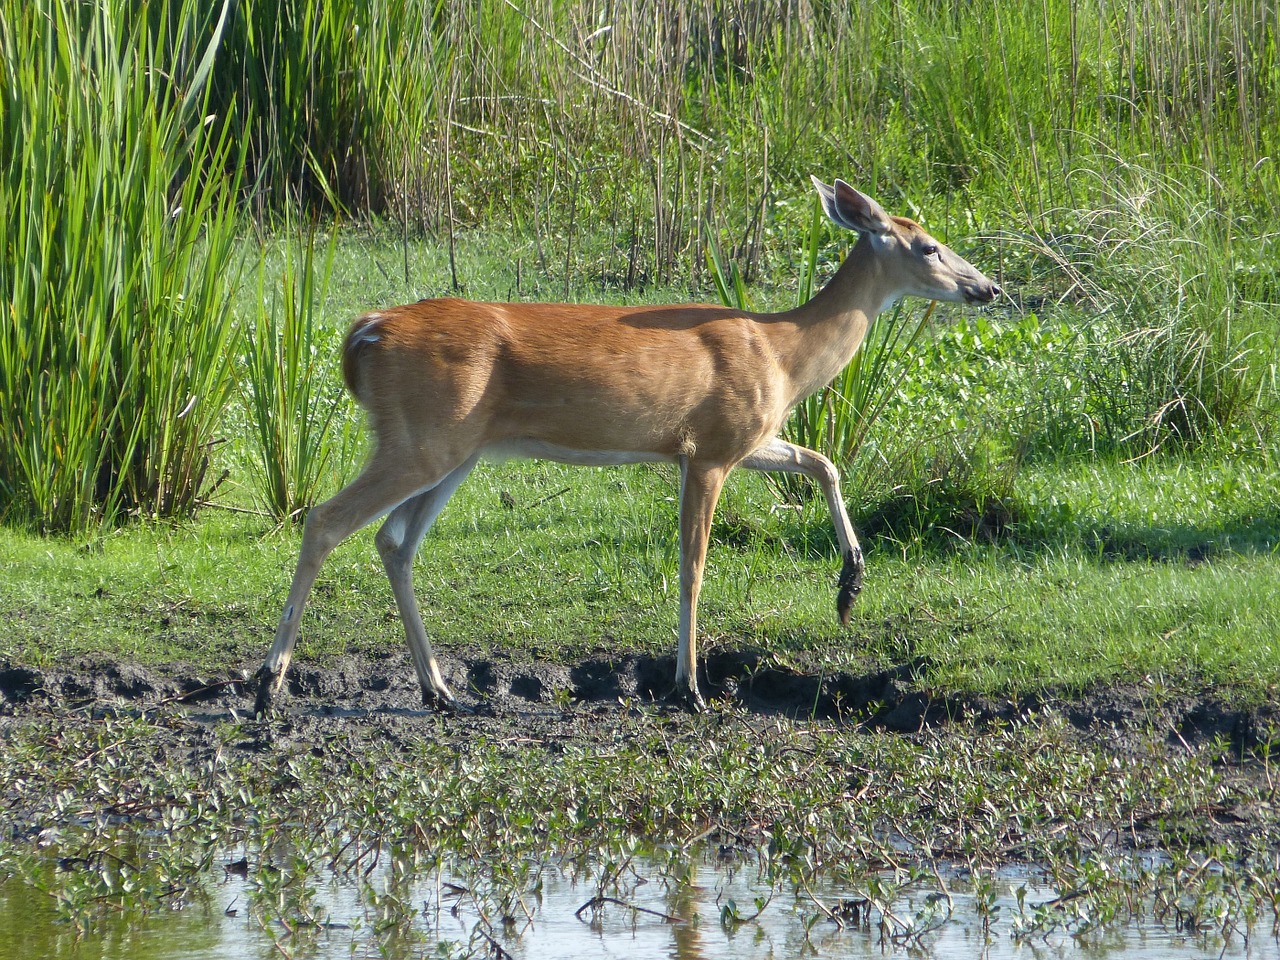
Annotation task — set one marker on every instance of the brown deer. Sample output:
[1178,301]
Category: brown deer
[447,382]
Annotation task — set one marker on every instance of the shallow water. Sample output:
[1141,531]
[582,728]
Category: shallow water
[381,916]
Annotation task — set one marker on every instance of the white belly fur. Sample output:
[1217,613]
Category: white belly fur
[541,450]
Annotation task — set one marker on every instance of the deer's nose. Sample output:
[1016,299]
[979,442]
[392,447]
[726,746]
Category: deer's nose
[983,293]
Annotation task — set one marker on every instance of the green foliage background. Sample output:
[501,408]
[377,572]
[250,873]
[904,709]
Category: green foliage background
[1113,163]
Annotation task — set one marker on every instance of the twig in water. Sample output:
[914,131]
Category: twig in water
[951,906]
[498,950]
[596,902]
[822,907]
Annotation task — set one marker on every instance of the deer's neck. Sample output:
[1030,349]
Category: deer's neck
[825,332]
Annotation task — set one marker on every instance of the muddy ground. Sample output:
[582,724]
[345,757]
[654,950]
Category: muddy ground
[361,699]
[502,697]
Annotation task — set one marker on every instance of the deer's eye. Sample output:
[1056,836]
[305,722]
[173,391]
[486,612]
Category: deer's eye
[929,249]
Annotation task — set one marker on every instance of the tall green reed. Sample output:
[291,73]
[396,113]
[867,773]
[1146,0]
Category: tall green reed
[117,261]
[289,387]
[303,82]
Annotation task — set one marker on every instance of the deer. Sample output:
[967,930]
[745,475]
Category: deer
[447,382]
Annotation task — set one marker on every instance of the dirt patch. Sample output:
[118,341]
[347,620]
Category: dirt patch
[502,695]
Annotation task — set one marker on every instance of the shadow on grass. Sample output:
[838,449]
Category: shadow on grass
[955,524]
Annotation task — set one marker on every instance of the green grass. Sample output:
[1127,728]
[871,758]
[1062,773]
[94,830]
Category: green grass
[1160,575]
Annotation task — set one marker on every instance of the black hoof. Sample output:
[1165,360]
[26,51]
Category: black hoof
[850,583]
[441,703]
[687,699]
[266,682]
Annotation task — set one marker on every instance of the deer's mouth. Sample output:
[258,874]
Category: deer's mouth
[982,294]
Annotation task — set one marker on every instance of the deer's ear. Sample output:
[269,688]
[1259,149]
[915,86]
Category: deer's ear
[826,194]
[850,209]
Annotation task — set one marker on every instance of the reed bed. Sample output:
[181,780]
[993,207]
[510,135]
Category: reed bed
[1116,155]
[118,212]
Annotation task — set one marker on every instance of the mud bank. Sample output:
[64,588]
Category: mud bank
[1184,772]
[502,695]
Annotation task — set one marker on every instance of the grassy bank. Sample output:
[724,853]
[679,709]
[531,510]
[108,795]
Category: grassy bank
[1160,575]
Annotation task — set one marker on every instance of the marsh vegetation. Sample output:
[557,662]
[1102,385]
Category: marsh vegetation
[1068,498]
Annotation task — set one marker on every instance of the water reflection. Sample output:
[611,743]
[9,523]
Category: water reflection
[699,908]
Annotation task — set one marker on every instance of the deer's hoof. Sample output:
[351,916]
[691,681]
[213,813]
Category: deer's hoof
[441,701]
[267,682]
[850,583]
[687,698]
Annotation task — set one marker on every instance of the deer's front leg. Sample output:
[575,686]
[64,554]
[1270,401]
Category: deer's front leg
[778,454]
[699,490]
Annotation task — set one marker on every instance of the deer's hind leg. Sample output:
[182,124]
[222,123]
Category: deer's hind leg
[374,493]
[398,541]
